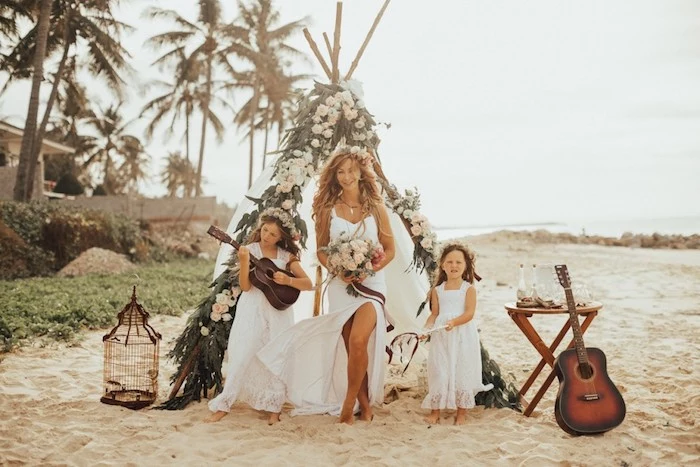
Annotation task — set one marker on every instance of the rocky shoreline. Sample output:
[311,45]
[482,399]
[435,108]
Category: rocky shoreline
[658,241]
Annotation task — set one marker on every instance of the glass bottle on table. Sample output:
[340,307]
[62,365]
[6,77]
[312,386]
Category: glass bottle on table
[533,292]
[521,293]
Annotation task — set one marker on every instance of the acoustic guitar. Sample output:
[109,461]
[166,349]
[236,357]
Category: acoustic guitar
[588,402]
[261,271]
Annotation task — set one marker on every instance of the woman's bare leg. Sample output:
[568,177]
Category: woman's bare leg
[363,398]
[364,322]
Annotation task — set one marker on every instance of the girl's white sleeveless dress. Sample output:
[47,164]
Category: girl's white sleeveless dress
[454,363]
[311,358]
[256,324]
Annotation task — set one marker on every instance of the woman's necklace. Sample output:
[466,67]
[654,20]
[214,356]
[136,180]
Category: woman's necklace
[352,208]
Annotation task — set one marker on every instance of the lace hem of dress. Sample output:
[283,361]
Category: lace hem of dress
[461,400]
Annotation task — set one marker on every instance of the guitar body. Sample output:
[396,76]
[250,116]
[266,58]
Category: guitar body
[280,296]
[261,271]
[586,406]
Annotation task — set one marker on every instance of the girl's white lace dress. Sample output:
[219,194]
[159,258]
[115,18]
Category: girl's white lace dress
[311,358]
[454,363]
[256,323]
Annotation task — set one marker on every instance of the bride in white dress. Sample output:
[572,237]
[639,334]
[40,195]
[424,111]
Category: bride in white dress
[334,363]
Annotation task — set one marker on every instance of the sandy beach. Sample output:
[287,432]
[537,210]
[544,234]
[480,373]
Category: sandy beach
[51,414]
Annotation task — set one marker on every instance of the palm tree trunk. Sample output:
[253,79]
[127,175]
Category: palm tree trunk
[267,132]
[253,110]
[36,148]
[187,191]
[205,118]
[20,193]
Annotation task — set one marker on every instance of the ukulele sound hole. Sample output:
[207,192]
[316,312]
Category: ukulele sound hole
[584,371]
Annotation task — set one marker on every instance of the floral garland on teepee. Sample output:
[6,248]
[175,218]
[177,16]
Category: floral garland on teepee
[328,116]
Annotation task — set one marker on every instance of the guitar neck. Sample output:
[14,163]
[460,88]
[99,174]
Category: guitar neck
[226,238]
[576,327]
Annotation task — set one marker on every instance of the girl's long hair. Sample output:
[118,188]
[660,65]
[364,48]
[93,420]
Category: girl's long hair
[286,242]
[469,259]
[329,192]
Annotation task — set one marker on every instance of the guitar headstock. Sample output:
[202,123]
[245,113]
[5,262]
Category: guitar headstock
[219,234]
[563,275]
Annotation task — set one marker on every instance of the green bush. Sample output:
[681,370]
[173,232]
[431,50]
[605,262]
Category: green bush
[62,232]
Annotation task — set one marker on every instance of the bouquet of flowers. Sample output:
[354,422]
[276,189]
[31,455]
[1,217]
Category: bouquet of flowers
[353,257]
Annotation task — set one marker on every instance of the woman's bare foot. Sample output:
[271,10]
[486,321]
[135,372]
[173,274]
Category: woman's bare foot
[215,417]
[274,418]
[366,415]
[433,418]
[346,413]
[461,417]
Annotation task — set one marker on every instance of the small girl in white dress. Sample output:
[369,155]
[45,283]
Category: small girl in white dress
[454,363]
[257,322]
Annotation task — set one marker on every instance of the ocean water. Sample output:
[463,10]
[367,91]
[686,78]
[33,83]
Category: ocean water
[610,228]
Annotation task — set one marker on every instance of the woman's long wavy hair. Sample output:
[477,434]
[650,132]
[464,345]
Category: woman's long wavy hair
[329,192]
[469,259]
[286,242]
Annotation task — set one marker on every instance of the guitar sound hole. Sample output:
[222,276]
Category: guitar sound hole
[584,371]
[269,273]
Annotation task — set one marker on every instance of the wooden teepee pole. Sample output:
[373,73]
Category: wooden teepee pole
[328,47]
[336,42]
[317,53]
[364,44]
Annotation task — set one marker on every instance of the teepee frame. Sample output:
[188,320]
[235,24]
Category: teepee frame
[333,72]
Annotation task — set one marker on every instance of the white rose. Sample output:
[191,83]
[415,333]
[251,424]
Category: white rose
[316,119]
[351,114]
[204,331]
[355,149]
[347,97]
[407,213]
[236,291]
[426,243]
[399,209]
[360,104]
[327,133]
[216,317]
[297,152]
[315,143]
[330,101]
[288,204]
[227,317]
[360,123]
[322,110]
[317,129]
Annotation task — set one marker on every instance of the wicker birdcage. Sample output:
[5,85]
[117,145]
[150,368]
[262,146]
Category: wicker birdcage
[131,359]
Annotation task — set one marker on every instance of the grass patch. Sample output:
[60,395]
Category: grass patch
[57,307]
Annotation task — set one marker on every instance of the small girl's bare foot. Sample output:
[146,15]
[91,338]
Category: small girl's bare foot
[461,417]
[274,418]
[433,418]
[216,416]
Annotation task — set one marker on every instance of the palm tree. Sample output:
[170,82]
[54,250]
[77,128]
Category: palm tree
[42,32]
[91,20]
[134,168]
[10,12]
[211,37]
[110,147]
[181,99]
[266,49]
[179,175]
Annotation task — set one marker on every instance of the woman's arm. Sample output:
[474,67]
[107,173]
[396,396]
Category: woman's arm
[323,237]
[301,281]
[386,238]
[244,274]
[434,310]
[469,309]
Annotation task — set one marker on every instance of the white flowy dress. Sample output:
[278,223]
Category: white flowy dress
[454,363]
[310,357]
[255,325]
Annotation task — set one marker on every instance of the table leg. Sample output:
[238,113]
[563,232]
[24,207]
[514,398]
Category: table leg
[550,378]
[552,348]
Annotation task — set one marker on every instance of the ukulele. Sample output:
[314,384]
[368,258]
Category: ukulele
[587,402]
[261,271]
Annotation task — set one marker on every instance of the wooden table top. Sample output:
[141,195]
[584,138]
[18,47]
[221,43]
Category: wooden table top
[582,310]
